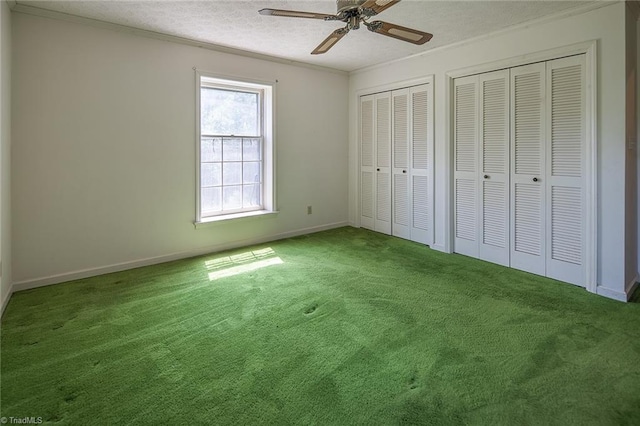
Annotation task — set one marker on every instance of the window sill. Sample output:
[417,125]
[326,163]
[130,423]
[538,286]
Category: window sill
[237,217]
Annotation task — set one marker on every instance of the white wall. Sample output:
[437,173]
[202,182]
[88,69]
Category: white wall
[5,153]
[638,139]
[606,25]
[631,183]
[104,150]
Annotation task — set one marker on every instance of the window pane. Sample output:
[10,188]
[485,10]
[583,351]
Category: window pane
[211,149]
[251,196]
[211,199]
[251,150]
[232,197]
[211,174]
[229,112]
[232,150]
[231,173]
[251,173]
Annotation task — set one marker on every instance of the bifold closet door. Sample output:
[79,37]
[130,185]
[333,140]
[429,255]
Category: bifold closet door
[375,169]
[528,179]
[481,137]
[465,136]
[367,169]
[382,221]
[421,187]
[493,197]
[412,191]
[519,168]
[565,158]
[400,171]
[396,141]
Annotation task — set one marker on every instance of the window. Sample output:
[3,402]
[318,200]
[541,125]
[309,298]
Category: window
[235,148]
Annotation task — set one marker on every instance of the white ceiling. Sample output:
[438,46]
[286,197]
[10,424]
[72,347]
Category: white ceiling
[237,24]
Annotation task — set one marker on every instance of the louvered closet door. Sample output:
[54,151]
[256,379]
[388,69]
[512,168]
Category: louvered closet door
[565,157]
[421,188]
[493,178]
[465,135]
[367,169]
[400,143]
[382,222]
[528,168]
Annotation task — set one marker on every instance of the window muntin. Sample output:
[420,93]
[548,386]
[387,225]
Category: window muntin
[230,174]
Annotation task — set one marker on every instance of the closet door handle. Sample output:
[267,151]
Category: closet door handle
[377,170]
[535,179]
[404,171]
[486,176]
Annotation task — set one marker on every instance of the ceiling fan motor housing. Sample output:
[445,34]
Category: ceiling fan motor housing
[345,5]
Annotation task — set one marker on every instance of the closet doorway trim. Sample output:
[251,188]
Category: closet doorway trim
[587,48]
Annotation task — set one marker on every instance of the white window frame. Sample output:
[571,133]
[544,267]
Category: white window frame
[266,90]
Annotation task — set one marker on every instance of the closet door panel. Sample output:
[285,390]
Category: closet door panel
[400,143]
[421,136]
[493,178]
[367,170]
[465,136]
[528,168]
[566,164]
[383,162]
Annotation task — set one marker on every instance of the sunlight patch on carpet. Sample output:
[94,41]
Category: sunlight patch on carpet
[228,266]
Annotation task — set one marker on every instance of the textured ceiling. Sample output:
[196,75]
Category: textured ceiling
[237,24]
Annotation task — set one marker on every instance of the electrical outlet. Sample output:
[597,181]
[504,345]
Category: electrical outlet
[309,210]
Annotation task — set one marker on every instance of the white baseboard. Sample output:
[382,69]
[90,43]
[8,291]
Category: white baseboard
[440,247]
[5,302]
[631,286]
[611,294]
[92,272]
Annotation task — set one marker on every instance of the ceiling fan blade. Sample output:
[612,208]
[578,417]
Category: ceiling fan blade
[399,32]
[296,14]
[330,41]
[377,6]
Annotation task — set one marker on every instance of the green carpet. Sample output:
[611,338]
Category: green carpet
[340,327]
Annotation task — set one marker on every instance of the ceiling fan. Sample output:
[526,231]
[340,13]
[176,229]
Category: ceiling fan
[354,13]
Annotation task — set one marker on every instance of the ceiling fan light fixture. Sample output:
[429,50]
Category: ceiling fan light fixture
[345,5]
[354,23]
